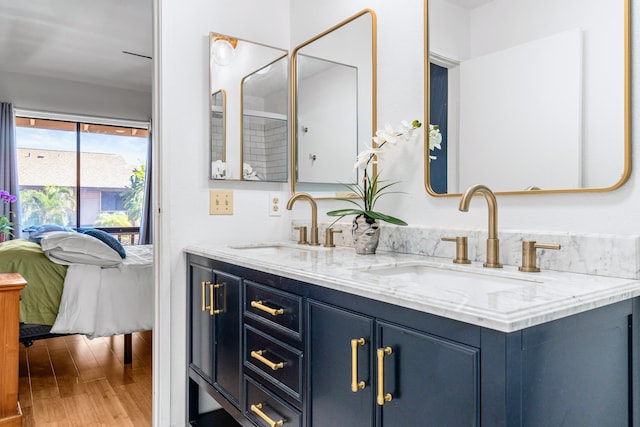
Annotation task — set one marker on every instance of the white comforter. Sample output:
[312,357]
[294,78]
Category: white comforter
[102,302]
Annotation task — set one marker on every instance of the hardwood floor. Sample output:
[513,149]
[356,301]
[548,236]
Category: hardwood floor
[75,381]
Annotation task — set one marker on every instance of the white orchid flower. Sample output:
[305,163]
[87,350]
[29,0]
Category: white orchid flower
[435,137]
[248,172]
[391,134]
[218,169]
[365,157]
[385,135]
[407,131]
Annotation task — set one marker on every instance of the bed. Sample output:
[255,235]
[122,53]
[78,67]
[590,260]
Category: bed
[87,290]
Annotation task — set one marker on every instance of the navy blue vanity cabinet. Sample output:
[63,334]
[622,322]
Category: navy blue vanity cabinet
[278,349]
[201,336]
[582,371]
[430,380]
[214,334]
[364,372]
[273,351]
[341,360]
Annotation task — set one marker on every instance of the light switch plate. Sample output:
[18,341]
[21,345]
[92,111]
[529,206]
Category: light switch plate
[220,202]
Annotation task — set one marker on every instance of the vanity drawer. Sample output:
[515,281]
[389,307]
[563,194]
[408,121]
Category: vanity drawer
[274,360]
[276,309]
[265,409]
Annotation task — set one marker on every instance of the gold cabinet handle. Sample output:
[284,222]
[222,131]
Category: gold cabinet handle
[204,285]
[212,300]
[259,355]
[382,397]
[272,311]
[355,384]
[257,409]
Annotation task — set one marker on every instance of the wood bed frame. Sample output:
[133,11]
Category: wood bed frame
[31,332]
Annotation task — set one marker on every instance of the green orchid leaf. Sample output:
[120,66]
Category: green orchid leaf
[387,218]
[345,212]
[351,201]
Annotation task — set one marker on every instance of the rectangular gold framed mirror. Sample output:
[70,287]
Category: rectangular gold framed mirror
[530,96]
[333,101]
[248,101]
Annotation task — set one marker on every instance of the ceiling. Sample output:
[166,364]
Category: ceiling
[79,40]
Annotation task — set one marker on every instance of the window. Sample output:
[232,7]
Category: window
[111,201]
[80,174]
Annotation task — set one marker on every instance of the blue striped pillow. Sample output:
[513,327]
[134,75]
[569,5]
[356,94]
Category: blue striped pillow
[105,238]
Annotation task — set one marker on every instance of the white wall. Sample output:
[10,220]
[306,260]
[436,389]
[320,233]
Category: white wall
[62,96]
[182,123]
[400,97]
[182,127]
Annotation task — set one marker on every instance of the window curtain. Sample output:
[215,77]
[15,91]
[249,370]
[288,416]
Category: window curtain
[9,164]
[146,224]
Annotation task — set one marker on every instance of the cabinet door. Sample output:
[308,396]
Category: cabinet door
[200,338]
[331,400]
[227,339]
[431,381]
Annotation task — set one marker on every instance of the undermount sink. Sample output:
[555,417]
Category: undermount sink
[452,277]
[277,248]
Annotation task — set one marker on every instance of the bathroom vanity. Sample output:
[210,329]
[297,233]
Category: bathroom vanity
[283,334]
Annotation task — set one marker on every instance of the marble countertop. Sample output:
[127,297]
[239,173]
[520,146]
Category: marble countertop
[503,299]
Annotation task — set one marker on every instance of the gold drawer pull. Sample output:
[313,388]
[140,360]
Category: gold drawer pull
[259,355]
[258,410]
[212,301]
[355,384]
[204,284]
[272,311]
[382,397]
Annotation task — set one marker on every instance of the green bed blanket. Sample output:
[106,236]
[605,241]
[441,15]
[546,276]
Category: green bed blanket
[40,299]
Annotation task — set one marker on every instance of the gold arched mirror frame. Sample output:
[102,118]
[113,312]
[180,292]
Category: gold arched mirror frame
[321,191]
[625,173]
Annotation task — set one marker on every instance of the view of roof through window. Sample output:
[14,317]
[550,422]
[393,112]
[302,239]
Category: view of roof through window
[80,174]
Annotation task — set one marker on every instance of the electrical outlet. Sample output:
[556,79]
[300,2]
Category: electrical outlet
[220,202]
[275,204]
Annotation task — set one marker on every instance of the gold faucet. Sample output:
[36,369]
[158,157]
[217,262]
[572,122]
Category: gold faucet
[313,240]
[493,244]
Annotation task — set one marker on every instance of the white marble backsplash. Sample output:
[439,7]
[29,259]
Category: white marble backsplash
[597,254]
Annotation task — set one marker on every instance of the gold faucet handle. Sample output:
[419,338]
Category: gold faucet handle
[462,249]
[529,254]
[302,239]
[328,237]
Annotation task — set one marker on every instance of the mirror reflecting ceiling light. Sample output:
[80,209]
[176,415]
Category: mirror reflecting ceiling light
[223,50]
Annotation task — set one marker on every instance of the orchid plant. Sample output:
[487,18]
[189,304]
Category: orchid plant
[219,171]
[6,226]
[435,139]
[372,188]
